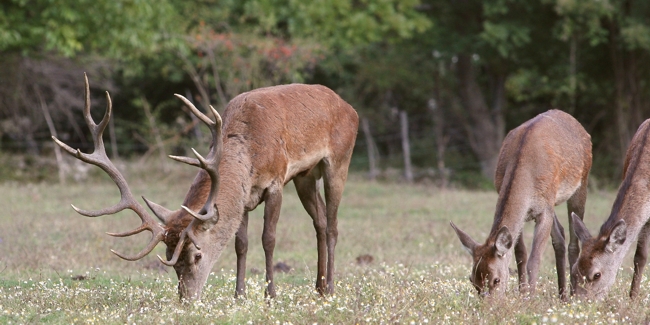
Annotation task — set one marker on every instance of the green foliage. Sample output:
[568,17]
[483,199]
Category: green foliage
[636,35]
[117,29]
[337,23]
[586,57]
[583,18]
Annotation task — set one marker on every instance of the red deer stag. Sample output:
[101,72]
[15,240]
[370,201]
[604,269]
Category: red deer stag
[272,135]
[602,255]
[542,163]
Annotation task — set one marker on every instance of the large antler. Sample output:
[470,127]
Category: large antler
[127,201]
[209,213]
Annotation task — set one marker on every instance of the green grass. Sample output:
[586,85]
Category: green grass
[419,273]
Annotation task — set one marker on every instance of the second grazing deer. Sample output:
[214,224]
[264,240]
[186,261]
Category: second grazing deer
[629,221]
[542,163]
[269,136]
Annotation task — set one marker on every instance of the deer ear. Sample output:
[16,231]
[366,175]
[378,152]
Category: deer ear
[579,228]
[616,237]
[468,243]
[503,242]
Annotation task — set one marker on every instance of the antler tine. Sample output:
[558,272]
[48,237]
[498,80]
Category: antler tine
[210,164]
[209,212]
[187,160]
[152,244]
[99,158]
[196,111]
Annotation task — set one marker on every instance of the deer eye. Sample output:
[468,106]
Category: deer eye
[198,256]
[496,281]
[597,276]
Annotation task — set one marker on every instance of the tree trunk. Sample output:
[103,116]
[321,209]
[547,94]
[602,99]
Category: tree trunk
[441,140]
[406,147]
[372,149]
[573,84]
[156,133]
[62,166]
[484,126]
[626,83]
[113,138]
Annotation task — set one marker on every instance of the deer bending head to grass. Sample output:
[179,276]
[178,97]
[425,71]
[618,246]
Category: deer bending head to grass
[542,163]
[629,221]
[267,138]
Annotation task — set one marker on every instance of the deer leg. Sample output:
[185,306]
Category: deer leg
[640,259]
[543,225]
[558,241]
[272,205]
[334,183]
[575,204]
[522,260]
[307,188]
[241,248]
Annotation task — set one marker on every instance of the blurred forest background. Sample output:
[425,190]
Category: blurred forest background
[437,82]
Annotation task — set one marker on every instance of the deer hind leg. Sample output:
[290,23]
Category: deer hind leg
[543,225]
[522,260]
[640,259]
[308,192]
[575,204]
[272,205]
[241,248]
[558,241]
[335,177]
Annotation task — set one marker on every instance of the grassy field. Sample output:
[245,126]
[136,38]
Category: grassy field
[56,267]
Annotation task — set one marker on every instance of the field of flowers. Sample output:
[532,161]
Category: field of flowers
[397,261]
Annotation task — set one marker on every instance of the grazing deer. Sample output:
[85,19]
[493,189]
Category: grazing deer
[602,255]
[542,163]
[272,136]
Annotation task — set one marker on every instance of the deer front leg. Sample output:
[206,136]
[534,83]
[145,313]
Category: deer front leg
[543,226]
[241,248]
[640,260]
[575,204]
[558,241]
[522,260]
[272,205]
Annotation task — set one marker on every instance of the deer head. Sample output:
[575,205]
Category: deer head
[490,270]
[597,266]
[190,245]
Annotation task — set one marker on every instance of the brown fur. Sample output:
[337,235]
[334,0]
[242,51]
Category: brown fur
[303,133]
[603,254]
[542,163]
[271,136]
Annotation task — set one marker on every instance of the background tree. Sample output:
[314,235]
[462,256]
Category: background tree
[464,71]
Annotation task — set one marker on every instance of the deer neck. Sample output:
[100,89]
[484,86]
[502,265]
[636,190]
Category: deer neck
[631,204]
[513,203]
[234,188]
[632,207]
[235,184]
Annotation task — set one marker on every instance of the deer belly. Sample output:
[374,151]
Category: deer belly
[304,166]
[566,191]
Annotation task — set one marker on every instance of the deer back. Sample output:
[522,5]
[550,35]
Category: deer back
[542,162]
[289,128]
